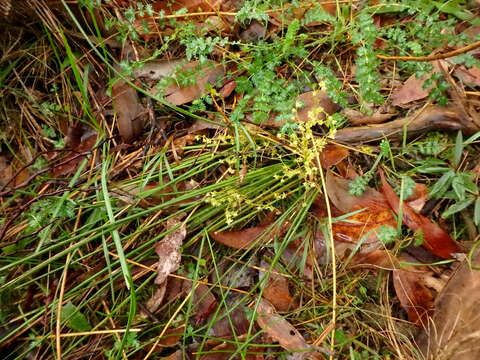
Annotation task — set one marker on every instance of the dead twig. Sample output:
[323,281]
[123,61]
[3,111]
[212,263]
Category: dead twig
[431,118]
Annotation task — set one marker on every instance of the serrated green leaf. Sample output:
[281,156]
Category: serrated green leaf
[442,184]
[74,319]
[459,206]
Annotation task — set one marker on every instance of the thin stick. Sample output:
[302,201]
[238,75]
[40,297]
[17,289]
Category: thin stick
[446,55]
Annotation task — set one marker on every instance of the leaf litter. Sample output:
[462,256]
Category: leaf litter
[296,115]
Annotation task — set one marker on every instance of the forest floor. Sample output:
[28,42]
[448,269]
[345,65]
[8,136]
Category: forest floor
[239,179]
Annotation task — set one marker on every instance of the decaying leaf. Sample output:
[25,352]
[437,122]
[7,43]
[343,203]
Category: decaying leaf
[6,171]
[454,330]
[168,251]
[239,239]
[204,304]
[435,239]
[176,94]
[276,290]
[242,239]
[419,197]
[79,140]
[128,109]
[412,89]
[414,296]
[281,331]
[316,104]
[470,76]
[332,155]
[362,226]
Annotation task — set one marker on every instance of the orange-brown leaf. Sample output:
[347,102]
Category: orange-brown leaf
[435,239]
[239,239]
[414,296]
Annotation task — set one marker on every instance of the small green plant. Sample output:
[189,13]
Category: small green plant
[454,184]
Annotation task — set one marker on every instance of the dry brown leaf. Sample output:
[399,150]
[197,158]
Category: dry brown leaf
[204,304]
[239,239]
[254,32]
[332,155]
[470,76]
[6,171]
[80,140]
[168,251]
[338,193]
[242,239]
[412,89]
[362,226]
[228,88]
[419,197]
[205,75]
[281,331]
[276,290]
[175,94]
[128,109]
[414,296]
[312,100]
[454,330]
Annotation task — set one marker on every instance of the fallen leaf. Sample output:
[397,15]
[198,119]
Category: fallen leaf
[414,296]
[79,140]
[174,93]
[254,32]
[332,155]
[469,76]
[128,109]
[453,331]
[242,239]
[204,304]
[381,259]
[281,331]
[228,88]
[363,225]
[6,171]
[312,100]
[338,193]
[239,239]
[276,289]
[419,197]
[435,239]
[168,251]
[223,328]
[412,89]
